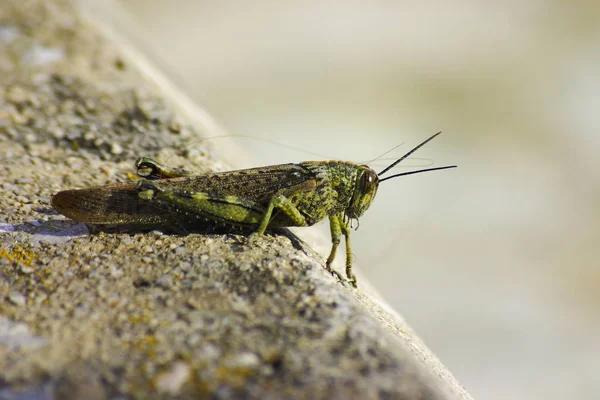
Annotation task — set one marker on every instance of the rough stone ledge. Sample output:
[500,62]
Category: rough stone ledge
[147,315]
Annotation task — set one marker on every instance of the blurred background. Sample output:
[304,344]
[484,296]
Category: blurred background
[495,264]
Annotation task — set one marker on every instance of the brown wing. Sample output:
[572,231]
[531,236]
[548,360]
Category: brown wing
[111,204]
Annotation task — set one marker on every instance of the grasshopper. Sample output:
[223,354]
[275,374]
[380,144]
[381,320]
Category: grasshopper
[254,199]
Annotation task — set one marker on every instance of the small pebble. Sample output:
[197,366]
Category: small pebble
[58,132]
[26,270]
[17,298]
[173,379]
[89,135]
[194,340]
[164,281]
[246,266]
[245,360]
[115,148]
[185,266]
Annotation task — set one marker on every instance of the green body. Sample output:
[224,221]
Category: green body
[253,199]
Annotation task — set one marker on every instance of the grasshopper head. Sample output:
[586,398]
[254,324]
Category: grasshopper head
[367,182]
[365,188]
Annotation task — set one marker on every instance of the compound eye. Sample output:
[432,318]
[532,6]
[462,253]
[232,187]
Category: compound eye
[367,181]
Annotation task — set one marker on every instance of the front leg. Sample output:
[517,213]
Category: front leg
[338,226]
[349,273]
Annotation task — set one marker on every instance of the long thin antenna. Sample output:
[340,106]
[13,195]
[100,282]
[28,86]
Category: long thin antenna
[381,155]
[416,172]
[405,156]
